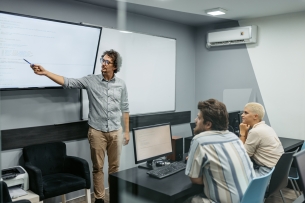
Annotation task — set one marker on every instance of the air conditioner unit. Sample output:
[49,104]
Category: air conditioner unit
[232,36]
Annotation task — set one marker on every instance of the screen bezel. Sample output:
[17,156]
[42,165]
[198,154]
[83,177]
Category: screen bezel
[135,147]
[59,21]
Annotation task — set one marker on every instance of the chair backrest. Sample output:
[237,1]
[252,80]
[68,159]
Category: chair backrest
[48,157]
[300,162]
[193,125]
[279,178]
[256,190]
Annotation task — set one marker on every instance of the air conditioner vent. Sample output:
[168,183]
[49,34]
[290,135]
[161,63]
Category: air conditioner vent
[228,42]
[232,36]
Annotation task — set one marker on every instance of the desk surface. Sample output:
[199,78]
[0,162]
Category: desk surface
[172,187]
[289,143]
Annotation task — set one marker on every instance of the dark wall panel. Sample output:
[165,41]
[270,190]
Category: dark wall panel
[174,118]
[19,138]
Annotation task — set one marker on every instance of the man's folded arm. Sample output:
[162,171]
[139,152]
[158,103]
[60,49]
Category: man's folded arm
[198,181]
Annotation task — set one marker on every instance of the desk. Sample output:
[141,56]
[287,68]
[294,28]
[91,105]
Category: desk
[139,186]
[290,144]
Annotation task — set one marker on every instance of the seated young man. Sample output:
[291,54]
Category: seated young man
[261,142]
[217,158]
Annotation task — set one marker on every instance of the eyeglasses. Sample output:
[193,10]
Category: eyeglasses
[105,61]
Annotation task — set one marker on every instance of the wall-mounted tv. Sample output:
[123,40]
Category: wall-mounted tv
[67,49]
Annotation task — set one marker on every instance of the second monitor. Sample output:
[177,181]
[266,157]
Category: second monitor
[234,121]
[151,142]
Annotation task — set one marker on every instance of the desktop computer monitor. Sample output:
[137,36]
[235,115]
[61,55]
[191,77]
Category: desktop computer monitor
[234,121]
[151,142]
[193,125]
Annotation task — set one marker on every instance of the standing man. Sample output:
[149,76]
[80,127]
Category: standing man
[108,100]
[262,143]
[217,158]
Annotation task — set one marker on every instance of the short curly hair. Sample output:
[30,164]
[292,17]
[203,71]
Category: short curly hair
[116,58]
[215,112]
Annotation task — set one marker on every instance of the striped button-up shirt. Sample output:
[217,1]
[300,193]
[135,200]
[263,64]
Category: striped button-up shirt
[220,158]
[107,100]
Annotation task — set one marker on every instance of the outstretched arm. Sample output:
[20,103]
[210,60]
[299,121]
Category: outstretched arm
[39,70]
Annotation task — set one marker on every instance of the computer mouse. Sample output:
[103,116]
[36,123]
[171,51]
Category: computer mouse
[160,163]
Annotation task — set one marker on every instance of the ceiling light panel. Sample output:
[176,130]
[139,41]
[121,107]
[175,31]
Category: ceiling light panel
[216,11]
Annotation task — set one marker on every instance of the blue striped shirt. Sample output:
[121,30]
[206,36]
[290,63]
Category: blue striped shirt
[107,100]
[220,158]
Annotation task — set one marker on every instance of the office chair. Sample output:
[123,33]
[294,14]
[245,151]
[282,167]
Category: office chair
[279,177]
[5,195]
[294,176]
[53,173]
[256,190]
[300,162]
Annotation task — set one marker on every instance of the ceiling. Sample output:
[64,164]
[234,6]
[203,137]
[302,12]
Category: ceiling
[191,12]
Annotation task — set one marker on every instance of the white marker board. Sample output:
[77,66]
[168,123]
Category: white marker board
[46,42]
[148,69]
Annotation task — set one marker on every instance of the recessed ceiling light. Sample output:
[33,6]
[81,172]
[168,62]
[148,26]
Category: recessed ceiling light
[126,32]
[216,11]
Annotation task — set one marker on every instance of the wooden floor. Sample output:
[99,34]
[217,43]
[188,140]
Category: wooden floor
[289,196]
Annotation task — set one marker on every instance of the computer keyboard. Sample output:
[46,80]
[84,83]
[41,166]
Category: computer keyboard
[167,170]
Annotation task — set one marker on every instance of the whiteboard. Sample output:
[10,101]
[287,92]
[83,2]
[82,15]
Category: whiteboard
[24,38]
[148,69]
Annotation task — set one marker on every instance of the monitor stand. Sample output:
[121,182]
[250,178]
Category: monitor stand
[148,165]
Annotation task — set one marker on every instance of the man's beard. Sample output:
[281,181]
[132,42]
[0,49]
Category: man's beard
[197,131]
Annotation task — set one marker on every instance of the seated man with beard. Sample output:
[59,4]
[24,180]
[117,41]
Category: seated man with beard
[217,158]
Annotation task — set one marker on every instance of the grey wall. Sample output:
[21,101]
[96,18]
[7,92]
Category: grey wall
[45,107]
[278,62]
[220,68]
